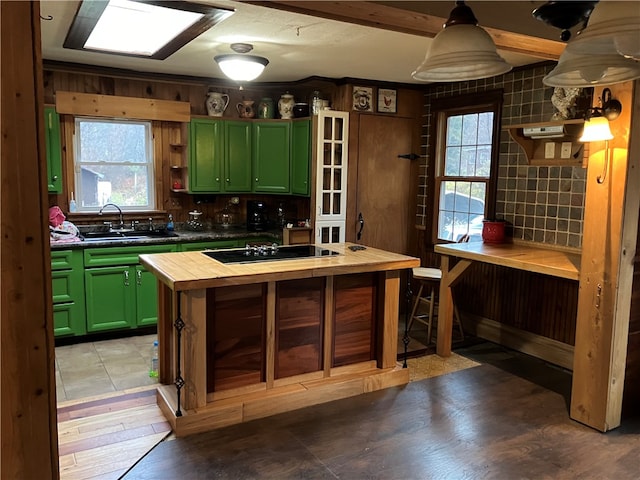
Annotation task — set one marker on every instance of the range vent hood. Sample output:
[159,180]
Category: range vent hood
[548,131]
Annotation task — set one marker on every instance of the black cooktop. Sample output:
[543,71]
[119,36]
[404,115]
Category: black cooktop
[268,253]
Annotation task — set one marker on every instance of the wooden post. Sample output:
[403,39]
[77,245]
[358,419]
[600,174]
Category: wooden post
[28,399]
[606,274]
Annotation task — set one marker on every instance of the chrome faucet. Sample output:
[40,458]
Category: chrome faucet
[119,211]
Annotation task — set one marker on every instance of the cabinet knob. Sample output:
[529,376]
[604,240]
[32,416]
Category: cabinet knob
[256,179]
[54,178]
[228,180]
[217,179]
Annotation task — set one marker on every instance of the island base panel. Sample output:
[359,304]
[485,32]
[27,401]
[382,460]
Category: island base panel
[265,403]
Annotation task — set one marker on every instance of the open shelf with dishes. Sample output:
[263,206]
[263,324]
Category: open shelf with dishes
[551,143]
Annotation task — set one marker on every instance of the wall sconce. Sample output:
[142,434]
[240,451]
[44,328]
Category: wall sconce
[239,66]
[596,126]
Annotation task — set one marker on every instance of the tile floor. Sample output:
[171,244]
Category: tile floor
[103,367]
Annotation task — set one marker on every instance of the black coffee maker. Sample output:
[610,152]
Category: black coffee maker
[257,218]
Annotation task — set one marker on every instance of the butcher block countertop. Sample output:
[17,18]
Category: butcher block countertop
[557,263]
[194,270]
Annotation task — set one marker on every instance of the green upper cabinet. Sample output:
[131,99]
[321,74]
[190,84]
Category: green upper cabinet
[54,150]
[237,156]
[206,150]
[300,156]
[271,157]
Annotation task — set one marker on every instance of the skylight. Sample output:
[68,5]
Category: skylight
[141,29]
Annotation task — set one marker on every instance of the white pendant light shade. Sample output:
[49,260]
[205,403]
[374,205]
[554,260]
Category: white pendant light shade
[458,53]
[461,51]
[589,70]
[242,68]
[613,28]
[596,129]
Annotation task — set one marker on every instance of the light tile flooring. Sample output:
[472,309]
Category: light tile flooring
[98,368]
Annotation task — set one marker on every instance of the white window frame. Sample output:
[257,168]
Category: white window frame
[149,164]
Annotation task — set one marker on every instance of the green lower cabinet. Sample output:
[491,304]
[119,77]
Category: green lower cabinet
[111,298]
[120,293]
[68,295]
[146,297]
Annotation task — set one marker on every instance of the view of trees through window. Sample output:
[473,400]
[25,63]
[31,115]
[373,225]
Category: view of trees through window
[113,163]
[464,174]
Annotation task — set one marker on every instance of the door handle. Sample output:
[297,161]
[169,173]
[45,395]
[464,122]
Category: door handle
[139,277]
[361,222]
[126,278]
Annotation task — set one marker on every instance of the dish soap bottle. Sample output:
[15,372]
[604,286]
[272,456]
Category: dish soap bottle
[170,223]
[72,205]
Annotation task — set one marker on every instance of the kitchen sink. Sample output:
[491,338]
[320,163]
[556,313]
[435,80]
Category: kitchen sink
[127,235]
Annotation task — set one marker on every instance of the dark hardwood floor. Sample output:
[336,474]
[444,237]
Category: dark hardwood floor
[479,423]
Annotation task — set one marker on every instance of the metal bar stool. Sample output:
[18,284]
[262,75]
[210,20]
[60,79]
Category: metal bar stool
[429,279]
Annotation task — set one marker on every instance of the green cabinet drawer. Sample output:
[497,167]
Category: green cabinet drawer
[65,259]
[69,319]
[64,286]
[212,245]
[106,257]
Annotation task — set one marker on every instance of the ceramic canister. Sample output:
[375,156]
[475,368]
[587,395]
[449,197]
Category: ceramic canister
[285,105]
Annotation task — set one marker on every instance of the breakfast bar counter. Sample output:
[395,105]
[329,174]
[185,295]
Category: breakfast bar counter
[523,256]
[261,336]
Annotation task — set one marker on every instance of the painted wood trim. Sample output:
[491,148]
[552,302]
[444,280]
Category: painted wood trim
[114,106]
[372,14]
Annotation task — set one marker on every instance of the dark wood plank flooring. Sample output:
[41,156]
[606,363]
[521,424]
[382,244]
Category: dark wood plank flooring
[479,423]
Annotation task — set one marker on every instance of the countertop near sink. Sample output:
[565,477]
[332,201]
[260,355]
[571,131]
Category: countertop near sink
[182,236]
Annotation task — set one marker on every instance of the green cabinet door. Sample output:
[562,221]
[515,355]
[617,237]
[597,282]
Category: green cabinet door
[206,150]
[146,297]
[53,145]
[237,156]
[111,298]
[271,154]
[300,156]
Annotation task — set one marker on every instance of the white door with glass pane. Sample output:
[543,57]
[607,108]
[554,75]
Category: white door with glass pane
[332,145]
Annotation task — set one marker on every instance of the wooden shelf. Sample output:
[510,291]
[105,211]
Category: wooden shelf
[537,149]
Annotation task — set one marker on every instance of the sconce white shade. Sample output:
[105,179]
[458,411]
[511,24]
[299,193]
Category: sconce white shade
[588,70]
[613,28]
[242,68]
[458,53]
[596,129]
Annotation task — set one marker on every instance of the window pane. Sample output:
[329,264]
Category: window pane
[485,128]
[468,162]
[478,194]
[470,129]
[124,185]
[114,163]
[483,161]
[454,130]
[452,162]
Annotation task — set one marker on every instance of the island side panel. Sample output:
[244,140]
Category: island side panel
[388,299]
[236,336]
[194,353]
[354,318]
[299,327]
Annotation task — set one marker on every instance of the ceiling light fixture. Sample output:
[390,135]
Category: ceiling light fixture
[239,66]
[564,15]
[614,28]
[152,30]
[461,51]
[589,70]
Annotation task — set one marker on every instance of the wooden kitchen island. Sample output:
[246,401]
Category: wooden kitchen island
[241,341]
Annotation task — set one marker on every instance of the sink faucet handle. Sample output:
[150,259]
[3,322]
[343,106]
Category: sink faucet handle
[150,223]
[108,224]
[134,224]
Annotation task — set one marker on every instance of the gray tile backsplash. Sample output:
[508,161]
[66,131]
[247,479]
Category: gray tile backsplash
[541,203]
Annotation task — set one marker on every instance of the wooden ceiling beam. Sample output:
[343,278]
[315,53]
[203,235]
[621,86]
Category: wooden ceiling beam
[371,14]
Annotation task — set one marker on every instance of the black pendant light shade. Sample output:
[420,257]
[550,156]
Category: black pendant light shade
[564,15]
